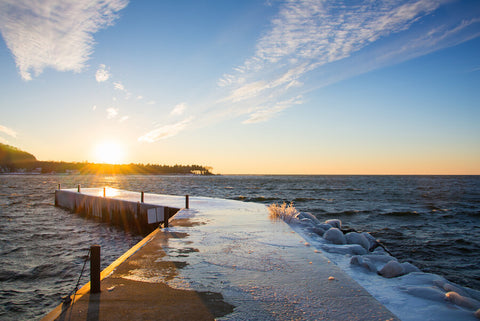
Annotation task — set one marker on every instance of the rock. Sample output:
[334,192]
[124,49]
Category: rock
[371,262]
[392,269]
[310,216]
[347,249]
[371,240]
[317,230]
[477,314]
[357,238]
[335,236]
[362,261]
[462,301]
[426,292]
[325,226]
[409,268]
[335,223]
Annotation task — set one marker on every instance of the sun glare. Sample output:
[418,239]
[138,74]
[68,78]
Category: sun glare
[109,152]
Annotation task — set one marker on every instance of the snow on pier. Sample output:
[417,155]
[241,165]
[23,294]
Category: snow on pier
[226,260]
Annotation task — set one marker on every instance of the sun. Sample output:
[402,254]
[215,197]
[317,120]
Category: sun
[109,152]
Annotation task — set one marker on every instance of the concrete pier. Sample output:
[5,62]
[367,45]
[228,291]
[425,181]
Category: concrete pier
[225,260]
[128,210]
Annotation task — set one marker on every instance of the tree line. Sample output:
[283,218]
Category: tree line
[13,159]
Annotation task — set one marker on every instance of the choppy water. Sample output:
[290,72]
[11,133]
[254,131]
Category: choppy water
[432,221]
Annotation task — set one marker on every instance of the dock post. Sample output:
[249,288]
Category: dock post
[95,269]
[104,192]
[186,201]
[142,196]
[78,188]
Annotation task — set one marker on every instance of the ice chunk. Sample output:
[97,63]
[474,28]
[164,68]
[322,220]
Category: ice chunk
[392,269]
[335,236]
[351,249]
[371,240]
[425,292]
[357,238]
[309,216]
[335,223]
[462,301]
[365,262]
[371,262]
[408,267]
[325,226]
[317,230]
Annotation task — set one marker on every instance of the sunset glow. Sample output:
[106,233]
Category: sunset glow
[109,152]
[245,87]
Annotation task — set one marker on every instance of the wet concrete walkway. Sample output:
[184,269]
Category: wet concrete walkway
[225,260]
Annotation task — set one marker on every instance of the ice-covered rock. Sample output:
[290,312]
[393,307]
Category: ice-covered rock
[309,216]
[449,287]
[365,262]
[335,223]
[392,269]
[357,238]
[371,262]
[371,240]
[425,292]
[347,249]
[317,230]
[325,226]
[462,301]
[335,236]
[409,267]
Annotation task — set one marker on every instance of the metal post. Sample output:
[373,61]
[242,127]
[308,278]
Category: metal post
[142,197]
[79,188]
[166,216]
[95,269]
[104,192]
[186,201]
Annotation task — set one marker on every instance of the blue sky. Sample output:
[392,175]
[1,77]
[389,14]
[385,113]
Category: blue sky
[286,87]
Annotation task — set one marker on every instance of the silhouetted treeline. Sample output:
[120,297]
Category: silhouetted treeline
[13,155]
[93,168]
[13,159]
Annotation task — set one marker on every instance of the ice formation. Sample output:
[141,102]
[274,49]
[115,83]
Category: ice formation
[428,296]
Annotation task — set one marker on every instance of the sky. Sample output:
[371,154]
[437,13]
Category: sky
[246,87]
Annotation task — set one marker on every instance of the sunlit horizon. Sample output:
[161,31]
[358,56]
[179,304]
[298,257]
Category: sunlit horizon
[246,87]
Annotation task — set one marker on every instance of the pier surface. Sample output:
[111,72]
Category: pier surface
[225,260]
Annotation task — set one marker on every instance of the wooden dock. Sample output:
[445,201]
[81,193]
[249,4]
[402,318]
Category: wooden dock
[130,212]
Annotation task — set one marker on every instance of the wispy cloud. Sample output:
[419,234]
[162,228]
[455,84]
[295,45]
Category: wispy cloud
[313,43]
[307,37]
[10,132]
[264,114]
[102,74]
[112,112]
[54,33]
[179,109]
[165,131]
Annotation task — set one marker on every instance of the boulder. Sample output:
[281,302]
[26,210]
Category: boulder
[335,223]
[392,269]
[335,236]
[357,238]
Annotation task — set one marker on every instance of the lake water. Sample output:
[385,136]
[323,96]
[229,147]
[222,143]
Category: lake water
[431,221]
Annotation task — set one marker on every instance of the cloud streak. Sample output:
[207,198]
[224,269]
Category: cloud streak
[10,132]
[307,37]
[165,131]
[54,33]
